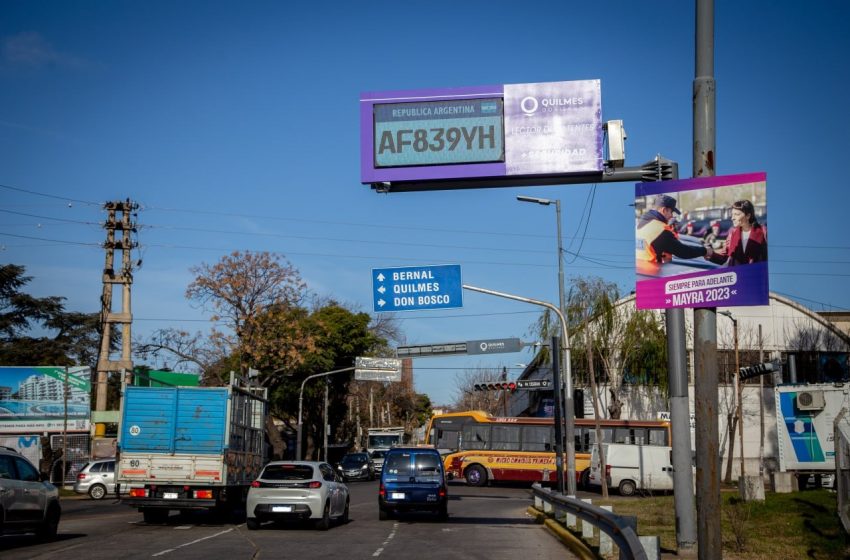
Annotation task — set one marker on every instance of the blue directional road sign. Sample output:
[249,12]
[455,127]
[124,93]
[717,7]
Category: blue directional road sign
[414,288]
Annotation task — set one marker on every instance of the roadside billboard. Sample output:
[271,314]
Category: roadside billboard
[511,130]
[702,242]
[32,399]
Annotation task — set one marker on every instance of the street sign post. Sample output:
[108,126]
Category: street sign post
[534,384]
[377,369]
[416,288]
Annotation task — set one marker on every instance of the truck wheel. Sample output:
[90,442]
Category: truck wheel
[97,492]
[476,476]
[324,523]
[627,488]
[155,515]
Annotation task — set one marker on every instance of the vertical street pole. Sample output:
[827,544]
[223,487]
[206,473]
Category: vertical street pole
[325,425]
[705,320]
[739,396]
[761,409]
[569,407]
[65,431]
[683,493]
[559,439]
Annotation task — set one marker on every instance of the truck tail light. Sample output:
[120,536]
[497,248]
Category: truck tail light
[203,494]
[138,492]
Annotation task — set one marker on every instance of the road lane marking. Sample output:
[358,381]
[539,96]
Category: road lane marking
[196,541]
[386,542]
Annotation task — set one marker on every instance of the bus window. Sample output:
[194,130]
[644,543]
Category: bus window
[537,438]
[658,436]
[505,438]
[583,439]
[446,439]
[476,436]
[607,434]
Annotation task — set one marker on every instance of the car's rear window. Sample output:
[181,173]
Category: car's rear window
[398,464]
[287,472]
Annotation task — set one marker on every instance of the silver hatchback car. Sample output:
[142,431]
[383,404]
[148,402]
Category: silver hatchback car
[97,479]
[297,490]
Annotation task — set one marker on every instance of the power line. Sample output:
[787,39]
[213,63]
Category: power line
[36,193]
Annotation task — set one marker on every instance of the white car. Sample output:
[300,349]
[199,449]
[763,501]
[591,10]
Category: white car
[297,490]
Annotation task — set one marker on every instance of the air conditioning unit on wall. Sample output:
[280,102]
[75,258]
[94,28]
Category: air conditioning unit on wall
[810,400]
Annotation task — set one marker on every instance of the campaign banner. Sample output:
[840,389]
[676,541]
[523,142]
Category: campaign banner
[503,131]
[43,398]
[702,242]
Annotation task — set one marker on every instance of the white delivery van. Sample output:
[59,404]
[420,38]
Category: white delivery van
[632,468]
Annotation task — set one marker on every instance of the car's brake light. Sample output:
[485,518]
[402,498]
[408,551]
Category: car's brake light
[81,476]
[381,490]
[315,484]
[442,492]
[256,484]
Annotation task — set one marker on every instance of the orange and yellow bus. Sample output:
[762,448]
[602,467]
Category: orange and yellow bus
[482,448]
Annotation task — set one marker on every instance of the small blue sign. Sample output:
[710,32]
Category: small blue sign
[414,288]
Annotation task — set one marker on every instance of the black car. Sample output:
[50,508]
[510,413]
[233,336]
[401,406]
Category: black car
[356,466]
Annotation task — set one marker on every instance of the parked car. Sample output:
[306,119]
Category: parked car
[27,501]
[632,468]
[412,479]
[377,457]
[297,490]
[97,479]
[356,466]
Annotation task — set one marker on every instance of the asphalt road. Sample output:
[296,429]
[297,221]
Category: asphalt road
[487,523]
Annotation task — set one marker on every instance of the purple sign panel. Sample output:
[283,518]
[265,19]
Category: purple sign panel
[481,132]
[702,242]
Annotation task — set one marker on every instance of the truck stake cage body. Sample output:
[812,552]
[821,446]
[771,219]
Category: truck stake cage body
[185,448]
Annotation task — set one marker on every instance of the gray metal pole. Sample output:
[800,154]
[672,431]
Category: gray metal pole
[569,407]
[705,320]
[559,438]
[683,484]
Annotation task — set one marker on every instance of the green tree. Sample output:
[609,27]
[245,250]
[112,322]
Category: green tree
[67,338]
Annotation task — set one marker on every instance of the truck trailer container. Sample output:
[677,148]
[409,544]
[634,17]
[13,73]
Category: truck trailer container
[190,448]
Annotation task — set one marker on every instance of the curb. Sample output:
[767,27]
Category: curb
[570,540]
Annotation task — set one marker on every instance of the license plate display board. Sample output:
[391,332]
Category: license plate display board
[702,242]
[512,130]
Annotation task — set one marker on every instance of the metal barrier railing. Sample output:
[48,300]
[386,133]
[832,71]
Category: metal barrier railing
[616,526]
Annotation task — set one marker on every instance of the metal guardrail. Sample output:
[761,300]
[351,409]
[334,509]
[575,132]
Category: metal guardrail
[615,526]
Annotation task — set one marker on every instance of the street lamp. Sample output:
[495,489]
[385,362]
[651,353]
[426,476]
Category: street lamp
[567,398]
[301,402]
[738,389]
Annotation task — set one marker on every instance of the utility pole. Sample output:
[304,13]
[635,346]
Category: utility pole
[706,378]
[112,278]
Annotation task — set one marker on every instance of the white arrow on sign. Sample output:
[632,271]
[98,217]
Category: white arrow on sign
[381,277]
[382,289]
[381,303]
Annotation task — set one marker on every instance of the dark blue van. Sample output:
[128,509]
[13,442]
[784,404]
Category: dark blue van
[412,480]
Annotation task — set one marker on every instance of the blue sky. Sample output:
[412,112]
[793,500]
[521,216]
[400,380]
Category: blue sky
[236,127]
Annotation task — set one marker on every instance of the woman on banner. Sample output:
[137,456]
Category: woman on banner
[747,240]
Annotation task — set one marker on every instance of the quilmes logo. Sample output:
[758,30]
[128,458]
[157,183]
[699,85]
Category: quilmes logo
[529,105]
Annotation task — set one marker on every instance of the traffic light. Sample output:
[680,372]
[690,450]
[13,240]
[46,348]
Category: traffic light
[756,370]
[496,386]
